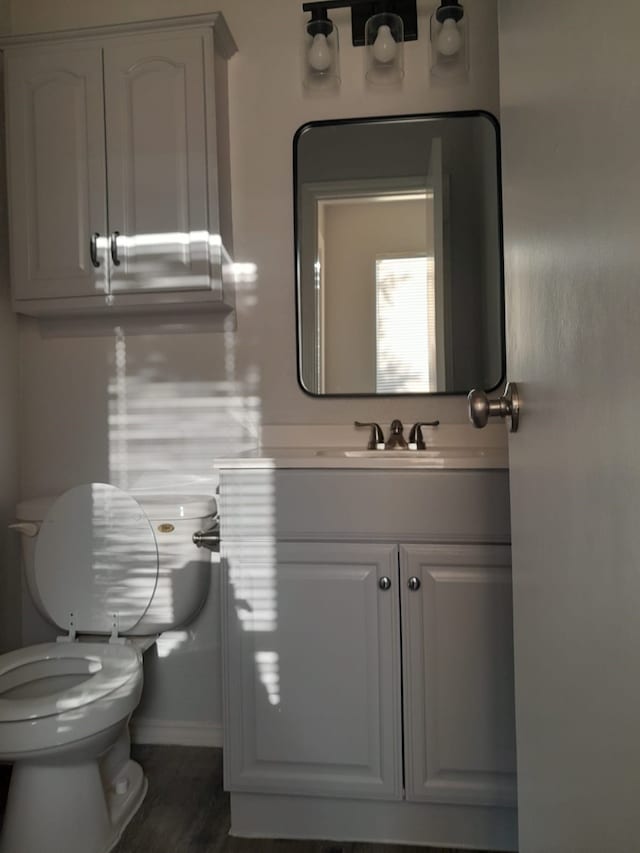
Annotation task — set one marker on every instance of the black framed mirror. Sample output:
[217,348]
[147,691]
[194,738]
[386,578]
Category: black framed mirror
[398,240]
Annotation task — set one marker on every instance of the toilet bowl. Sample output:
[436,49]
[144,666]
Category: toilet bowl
[111,576]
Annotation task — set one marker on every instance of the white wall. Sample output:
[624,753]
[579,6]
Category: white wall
[204,394]
[9,566]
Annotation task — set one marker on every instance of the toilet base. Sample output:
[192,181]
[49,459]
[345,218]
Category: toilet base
[65,809]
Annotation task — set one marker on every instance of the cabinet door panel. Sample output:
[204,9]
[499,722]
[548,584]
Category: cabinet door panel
[57,171]
[312,670]
[157,161]
[458,674]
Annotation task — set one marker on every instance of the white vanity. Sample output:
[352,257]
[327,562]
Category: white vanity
[368,647]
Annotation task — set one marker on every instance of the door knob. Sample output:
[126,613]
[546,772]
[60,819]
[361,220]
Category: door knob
[414,584]
[481,408]
[384,583]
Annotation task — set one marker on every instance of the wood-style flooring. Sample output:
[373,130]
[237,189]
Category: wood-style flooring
[187,811]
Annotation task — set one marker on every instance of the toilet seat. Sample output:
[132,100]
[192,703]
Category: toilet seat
[111,666]
[96,561]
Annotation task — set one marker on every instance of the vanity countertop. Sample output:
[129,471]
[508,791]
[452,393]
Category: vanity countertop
[436,458]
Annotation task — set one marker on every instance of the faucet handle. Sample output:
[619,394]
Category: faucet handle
[415,436]
[376,439]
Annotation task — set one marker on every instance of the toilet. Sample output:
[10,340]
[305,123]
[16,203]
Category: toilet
[111,572]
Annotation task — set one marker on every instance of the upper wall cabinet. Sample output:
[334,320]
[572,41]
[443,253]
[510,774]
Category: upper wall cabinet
[118,168]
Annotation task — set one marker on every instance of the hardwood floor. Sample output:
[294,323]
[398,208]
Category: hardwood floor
[186,811]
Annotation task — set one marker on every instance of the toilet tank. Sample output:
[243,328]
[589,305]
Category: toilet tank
[184,571]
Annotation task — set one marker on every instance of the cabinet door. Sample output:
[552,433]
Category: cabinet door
[458,674]
[56,171]
[156,120]
[312,670]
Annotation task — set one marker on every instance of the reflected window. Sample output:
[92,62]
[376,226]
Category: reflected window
[405,324]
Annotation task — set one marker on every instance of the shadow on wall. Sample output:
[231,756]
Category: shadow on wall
[172,405]
[163,431]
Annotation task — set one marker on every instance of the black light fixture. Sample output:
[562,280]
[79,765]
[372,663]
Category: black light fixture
[381,25]
[321,50]
[448,37]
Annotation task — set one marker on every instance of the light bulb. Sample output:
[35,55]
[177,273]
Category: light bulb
[384,47]
[449,39]
[319,53]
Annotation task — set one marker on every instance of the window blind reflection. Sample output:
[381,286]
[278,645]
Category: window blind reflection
[405,324]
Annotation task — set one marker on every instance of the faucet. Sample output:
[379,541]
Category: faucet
[396,440]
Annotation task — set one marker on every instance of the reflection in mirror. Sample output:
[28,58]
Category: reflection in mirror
[399,267]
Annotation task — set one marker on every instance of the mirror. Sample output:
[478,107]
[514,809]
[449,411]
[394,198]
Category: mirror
[398,234]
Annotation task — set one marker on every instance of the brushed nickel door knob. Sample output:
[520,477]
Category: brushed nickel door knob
[481,408]
[384,583]
[414,584]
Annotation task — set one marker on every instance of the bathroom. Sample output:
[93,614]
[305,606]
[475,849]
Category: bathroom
[73,405]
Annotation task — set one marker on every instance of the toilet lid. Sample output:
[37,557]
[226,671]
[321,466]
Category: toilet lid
[96,556]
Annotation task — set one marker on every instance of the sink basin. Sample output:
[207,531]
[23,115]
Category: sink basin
[440,458]
[407,455]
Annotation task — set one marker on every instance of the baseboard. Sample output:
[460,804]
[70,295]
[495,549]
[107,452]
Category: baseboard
[175,732]
[438,825]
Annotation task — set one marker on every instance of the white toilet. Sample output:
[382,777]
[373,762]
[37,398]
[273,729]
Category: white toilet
[112,573]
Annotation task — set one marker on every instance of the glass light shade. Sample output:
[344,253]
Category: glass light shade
[384,45]
[320,53]
[449,44]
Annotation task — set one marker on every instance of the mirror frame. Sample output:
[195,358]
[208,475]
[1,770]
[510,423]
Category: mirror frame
[392,119]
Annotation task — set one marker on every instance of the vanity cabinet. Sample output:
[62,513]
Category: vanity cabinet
[314,646]
[368,655]
[118,167]
[458,689]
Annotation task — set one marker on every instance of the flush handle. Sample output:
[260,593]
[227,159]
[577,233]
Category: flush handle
[209,539]
[481,408]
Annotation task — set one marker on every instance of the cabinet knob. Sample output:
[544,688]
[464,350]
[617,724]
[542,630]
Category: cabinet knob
[414,584]
[384,583]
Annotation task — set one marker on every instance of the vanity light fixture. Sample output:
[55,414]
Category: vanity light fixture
[448,37]
[321,51]
[381,25]
[384,37]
